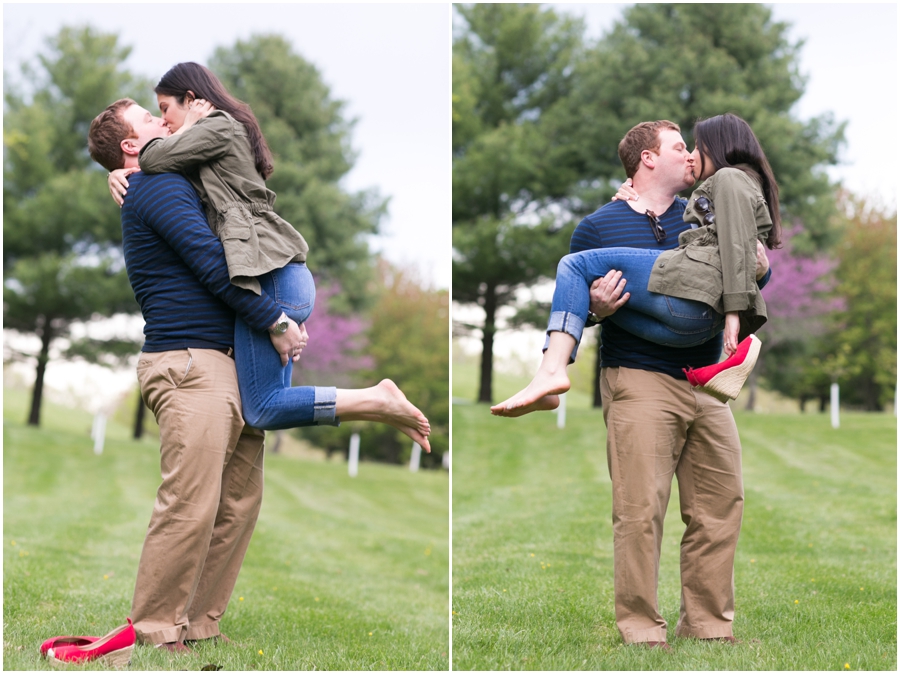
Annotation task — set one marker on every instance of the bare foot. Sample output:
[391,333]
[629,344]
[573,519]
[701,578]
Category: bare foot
[544,384]
[421,438]
[392,408]
[547,402]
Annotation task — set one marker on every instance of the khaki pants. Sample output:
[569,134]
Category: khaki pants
[657,427]
[209,499]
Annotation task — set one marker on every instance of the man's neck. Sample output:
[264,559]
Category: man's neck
[653,197]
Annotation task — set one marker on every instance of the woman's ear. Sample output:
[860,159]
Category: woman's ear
[189,96]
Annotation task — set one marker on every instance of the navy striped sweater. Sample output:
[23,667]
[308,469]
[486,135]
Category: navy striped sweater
[177,269]
[617,224]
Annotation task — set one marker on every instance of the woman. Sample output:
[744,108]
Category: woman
[685,296]
[217,144]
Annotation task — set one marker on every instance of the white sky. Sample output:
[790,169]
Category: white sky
[389,62]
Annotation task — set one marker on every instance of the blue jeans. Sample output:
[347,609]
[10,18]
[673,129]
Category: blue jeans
[664,320]
[268,400]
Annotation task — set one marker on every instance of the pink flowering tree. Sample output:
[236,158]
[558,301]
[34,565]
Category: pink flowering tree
[334,355]
[800,293]
[800,299]
[403,338]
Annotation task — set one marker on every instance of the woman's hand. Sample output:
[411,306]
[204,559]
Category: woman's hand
[197,110]
[626,192]
[117,181]
[732,328]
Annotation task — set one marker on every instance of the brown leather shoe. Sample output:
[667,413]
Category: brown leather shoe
[662,645]
[730,640]
[175,647]
[216,640]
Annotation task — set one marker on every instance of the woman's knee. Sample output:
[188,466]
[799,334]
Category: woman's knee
[257,414]
[568,262]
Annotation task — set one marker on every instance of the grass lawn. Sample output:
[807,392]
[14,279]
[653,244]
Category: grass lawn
[342,573]
[815,572]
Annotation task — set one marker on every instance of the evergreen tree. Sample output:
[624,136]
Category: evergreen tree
[62,259]
[688,61]
[510,63]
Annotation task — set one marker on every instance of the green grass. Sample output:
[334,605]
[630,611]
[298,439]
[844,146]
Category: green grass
[815,571]
[342,573]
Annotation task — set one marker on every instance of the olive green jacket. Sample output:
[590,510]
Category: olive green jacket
[216,157]
[716,264]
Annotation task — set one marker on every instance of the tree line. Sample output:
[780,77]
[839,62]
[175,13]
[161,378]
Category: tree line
[538,111]
[62,253]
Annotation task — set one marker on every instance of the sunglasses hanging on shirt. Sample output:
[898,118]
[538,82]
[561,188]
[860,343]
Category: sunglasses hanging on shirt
[655,225]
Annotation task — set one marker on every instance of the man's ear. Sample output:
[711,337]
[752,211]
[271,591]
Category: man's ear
[648,158]
[129,147]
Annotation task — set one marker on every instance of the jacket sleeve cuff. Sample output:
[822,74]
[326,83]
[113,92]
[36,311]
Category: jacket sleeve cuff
[735,302]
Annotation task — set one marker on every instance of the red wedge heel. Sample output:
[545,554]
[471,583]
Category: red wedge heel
[59,642]
[114,649]
[726,379]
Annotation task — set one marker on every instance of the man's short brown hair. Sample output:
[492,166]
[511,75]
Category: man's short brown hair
[106,134]
[644,136]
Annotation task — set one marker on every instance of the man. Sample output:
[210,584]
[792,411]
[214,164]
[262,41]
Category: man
[657,425]
[211,462]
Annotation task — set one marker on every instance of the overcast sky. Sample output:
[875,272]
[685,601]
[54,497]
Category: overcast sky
[389,62]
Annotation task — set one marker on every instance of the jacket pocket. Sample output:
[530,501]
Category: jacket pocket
[704,254]
[236,234]
[235,228]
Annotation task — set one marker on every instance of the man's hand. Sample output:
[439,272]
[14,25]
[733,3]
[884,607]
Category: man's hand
[762,261]
[117,181]
[606,294]
[290,343]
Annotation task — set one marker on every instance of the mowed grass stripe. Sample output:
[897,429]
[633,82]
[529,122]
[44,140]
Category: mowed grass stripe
[815,570]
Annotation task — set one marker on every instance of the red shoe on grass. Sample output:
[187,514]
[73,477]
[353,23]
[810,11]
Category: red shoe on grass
[724,380]
[114,649]
[59,642]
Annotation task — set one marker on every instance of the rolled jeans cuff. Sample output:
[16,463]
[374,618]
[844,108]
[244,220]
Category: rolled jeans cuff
[324,406]
[571,324]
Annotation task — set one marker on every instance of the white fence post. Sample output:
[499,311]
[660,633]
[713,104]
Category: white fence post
[561,412]
[98,432]
[415,458]
[835,406]
[353,461]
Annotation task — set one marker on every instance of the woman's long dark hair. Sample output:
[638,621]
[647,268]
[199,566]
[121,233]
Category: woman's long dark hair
[728,140]
[201,81]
